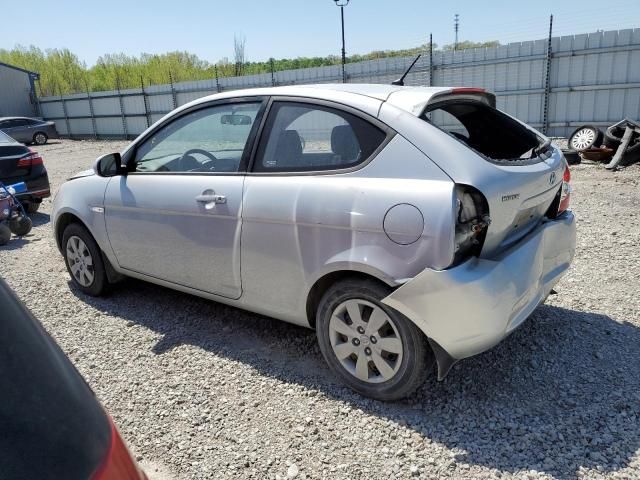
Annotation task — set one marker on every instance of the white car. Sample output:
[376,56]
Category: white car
[404,224]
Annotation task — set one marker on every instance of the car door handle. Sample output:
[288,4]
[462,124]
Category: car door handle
[211,198]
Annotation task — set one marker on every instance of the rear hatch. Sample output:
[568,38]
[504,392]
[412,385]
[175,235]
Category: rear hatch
[10,153]
[516,168]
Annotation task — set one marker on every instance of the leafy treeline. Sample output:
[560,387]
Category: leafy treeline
[62,72]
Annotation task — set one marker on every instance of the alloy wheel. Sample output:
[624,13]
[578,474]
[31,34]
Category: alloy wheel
[583,139]
[80,261]
[365,340]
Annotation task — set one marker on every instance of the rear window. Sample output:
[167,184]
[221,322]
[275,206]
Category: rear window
[486,130]
[12,150]
[52,426]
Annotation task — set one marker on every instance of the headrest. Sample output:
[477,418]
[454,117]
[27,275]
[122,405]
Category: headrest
[289,149]
[345,143]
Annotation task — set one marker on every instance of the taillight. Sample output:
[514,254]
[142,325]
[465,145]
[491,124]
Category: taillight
[565,192]
[472,221]
[118,464]
[29,160]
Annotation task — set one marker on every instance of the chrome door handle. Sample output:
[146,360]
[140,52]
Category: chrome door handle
[211,198]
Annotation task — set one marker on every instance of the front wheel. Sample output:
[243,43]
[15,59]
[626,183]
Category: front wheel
[40,138]
[374,349]
[83,260]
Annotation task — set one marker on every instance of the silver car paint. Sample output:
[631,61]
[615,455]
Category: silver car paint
[530,182]
[156,227]
[297,228]
[470,308]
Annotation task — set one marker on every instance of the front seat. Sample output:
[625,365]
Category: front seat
[344,144]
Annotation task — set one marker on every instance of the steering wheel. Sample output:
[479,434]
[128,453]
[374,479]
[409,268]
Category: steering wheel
[188,153]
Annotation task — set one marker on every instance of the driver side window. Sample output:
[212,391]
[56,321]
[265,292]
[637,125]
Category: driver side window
[209,140]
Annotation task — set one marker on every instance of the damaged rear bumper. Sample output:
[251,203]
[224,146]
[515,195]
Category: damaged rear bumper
[470,308]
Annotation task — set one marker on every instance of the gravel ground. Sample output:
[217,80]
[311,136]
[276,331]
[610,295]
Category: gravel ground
[200,390]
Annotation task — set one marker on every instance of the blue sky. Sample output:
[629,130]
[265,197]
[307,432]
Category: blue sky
[290,28]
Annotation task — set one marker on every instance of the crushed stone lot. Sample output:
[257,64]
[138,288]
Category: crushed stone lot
[201,390]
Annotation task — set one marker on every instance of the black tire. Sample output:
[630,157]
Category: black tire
[417,357]
[99,285]
[31,207]
[584,137]
[572,157]
[5,234]
[40,138]
[611,138]
[20,226]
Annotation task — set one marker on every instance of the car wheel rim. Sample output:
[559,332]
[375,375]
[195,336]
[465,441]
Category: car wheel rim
[40,138]
[365,340]
[583,139]
[80,261]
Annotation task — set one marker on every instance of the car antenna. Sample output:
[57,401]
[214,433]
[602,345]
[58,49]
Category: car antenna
[400,81]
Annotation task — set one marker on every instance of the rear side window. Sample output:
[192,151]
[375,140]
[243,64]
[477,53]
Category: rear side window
[302,137]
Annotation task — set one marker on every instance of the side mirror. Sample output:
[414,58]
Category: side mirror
[108,165]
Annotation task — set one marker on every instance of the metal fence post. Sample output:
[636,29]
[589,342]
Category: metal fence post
[431,59]
[66,115]
[273,73]
[215,69]
[547,81]
[173,92]
[91,112]
[145,99]
[122,115]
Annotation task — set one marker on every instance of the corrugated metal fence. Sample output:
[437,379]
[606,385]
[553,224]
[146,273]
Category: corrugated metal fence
[590,78]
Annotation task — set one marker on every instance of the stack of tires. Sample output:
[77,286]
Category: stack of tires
[613,137]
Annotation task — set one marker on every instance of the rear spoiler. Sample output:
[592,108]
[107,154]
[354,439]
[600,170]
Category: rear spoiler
[416,100]
[467,92]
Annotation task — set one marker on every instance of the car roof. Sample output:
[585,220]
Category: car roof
[20,118]
[365,96]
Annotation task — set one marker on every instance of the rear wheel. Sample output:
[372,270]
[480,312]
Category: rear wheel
[585,137]
[83,260]
[40,138]
[32,207]
[372,348]
[20,226]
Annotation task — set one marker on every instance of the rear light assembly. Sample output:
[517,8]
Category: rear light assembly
[472,222]
[30,159]
[565,191]
[118,463]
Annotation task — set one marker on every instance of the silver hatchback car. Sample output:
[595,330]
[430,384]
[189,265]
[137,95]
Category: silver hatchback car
[407,225]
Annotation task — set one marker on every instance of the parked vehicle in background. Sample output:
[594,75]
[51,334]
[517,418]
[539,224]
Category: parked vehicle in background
[402,223]
[51,422]
[28,130]
[19,163]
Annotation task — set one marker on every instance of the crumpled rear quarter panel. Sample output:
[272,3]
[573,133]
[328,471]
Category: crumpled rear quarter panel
[298,228]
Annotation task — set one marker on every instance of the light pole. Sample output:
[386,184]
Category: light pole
[342,4]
